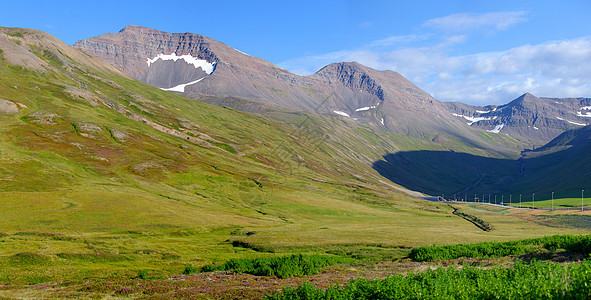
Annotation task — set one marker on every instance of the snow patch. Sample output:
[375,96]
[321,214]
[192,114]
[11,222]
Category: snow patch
[473,119]
[181,87]
[382,121]
[586,108]
[586,114]
[574,123]
[483,111]
[500,108]
[342,113]
[365,108]
[198,63]
[536,128]
[497,128]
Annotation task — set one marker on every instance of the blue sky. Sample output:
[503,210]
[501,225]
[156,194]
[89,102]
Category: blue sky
[477,52]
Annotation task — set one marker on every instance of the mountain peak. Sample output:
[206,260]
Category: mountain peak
[132,28]
[136,29]
[346,68]
[528,95]
[344,64]
[526,99]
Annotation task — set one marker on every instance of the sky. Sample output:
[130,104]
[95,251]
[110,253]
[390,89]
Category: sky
[476,52]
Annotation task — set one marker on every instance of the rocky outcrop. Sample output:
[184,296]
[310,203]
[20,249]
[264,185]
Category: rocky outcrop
[8,107]
[352,76]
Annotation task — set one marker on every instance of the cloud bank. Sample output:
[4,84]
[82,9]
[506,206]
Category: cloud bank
[496,21]
[551,69]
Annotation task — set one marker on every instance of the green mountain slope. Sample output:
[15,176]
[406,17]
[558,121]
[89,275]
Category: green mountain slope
[561,165]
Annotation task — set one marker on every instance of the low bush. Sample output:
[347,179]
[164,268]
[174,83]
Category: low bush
[574,243]
[282,267]
[190,270]
[480,250]
[146,275]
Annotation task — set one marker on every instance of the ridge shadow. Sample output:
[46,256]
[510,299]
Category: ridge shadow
[448,172]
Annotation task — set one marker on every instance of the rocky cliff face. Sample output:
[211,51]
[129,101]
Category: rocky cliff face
[231,72]
[529,118]
[352,76]
[152,56]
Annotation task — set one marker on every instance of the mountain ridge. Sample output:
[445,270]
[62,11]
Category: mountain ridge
[384,99]
[347,89]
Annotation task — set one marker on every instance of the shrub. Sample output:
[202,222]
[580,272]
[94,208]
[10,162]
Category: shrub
[282,267]
[190,270]
[142,274]
[145,275]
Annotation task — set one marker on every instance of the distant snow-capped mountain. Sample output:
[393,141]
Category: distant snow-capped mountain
[535,120]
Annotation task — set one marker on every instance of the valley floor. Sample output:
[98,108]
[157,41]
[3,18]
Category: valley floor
[148,263]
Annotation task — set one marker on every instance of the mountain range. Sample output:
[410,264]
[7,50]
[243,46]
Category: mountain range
[531,119]
[384,99]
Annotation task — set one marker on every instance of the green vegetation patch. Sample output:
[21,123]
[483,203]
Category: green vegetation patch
[282,267]
[574,243]
[480,250]
[28,258]
[536,281]
[369,252]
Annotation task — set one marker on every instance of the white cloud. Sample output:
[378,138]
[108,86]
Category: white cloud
[496,21]
[552,69]
[397,39]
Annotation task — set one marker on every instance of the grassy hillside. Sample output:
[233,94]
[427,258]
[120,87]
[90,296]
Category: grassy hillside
[560,166]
